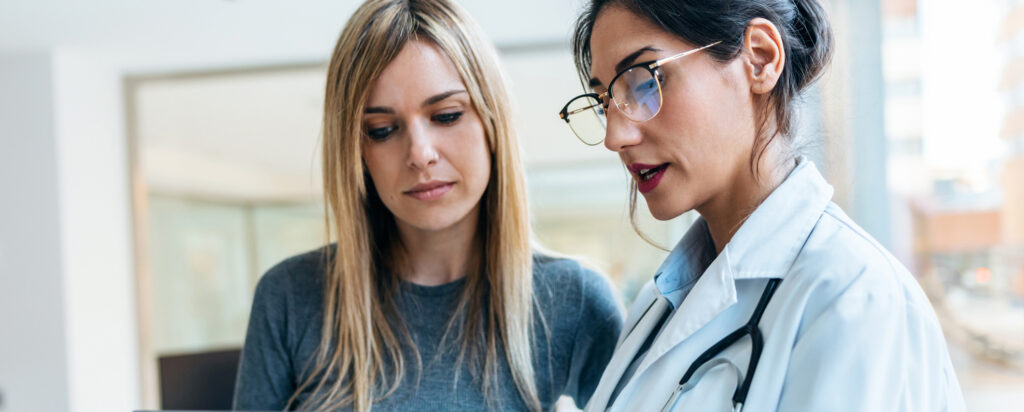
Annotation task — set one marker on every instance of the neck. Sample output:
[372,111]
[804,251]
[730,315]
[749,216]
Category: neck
[726,212]
[436,257]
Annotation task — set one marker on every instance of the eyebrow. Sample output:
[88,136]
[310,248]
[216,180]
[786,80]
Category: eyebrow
[429,101]
[379,109]
[441,96]
[625,62]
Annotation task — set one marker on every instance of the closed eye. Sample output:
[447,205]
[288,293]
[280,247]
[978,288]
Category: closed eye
[447,118]
[379,134]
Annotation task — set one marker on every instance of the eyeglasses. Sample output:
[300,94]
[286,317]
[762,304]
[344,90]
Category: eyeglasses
[637,96]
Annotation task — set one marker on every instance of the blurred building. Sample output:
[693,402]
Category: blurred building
[965,215]
[1011,39]
[902,68]
[955,140]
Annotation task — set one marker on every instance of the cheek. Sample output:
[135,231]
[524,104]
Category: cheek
[484,158]
[734,96]
[382,166]
[699,102]
[709,112]
[685,128]
[473,154]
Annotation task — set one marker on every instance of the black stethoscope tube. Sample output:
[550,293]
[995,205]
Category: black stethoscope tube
[750,328]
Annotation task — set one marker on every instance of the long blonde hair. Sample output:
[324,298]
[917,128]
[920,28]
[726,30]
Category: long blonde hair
[359,359]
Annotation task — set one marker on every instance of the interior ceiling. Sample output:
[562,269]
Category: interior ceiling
[155,35]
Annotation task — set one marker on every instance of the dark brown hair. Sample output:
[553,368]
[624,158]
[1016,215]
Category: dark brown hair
[806,38]
[803,24]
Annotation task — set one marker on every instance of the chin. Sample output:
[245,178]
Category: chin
[435,218]
[664,216]
[433,226]
[663,211]
[430,223]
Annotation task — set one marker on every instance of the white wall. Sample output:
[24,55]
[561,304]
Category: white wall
[96,246]
[33,361]
[67,294]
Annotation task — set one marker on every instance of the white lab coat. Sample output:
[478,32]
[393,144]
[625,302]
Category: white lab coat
[848,329]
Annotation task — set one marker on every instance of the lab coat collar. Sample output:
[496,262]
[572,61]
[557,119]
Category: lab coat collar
[769,241]
[683,266]
[714,292]
[764,247]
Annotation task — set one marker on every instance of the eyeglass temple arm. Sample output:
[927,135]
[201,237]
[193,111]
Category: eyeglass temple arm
[565,113]
[660,62]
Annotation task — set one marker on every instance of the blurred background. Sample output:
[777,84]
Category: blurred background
[159,156]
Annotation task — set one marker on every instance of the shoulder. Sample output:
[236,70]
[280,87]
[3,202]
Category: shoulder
[840,254]
[564,286]
[295,282]
[560,277]
[841,267]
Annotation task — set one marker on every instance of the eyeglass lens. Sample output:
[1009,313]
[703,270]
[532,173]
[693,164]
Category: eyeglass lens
[636,93]
[587,120]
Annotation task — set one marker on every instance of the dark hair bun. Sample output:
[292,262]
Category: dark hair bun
[814,50]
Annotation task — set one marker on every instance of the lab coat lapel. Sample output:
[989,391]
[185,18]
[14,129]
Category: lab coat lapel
[625,353]
[643,303]
[713,293]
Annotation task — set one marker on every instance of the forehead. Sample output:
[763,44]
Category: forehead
[420,70]
[618,33]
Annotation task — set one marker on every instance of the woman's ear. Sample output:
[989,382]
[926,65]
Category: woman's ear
[765,55]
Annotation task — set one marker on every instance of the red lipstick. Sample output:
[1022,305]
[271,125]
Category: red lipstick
[647,175]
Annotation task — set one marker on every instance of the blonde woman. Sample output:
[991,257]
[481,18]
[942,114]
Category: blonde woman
[432,298]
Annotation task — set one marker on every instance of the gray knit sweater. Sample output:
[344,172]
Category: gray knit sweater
[582,316]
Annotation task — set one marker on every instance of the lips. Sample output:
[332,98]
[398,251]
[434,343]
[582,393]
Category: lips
[648,175]
[431,190]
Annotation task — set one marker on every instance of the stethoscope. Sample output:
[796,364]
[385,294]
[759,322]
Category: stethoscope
[707,359]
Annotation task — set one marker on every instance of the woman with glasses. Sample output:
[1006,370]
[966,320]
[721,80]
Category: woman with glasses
[774,299]
[432,298]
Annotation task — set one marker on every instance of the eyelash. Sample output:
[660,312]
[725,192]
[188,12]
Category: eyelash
[382,133]
[447,119]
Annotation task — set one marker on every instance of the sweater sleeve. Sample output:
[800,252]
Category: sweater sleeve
[265,379]
[598,328]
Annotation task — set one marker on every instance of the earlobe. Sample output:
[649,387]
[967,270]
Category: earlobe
[765,53]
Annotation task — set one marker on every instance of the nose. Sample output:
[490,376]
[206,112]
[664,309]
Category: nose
[620,132]
[422,151]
